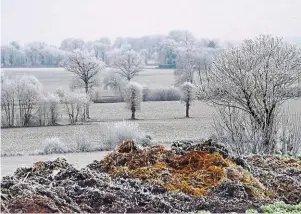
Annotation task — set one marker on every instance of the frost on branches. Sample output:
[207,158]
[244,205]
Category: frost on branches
[86,68]
[256,78]
[188,95]
[133,97]
[75,105]
[127,62]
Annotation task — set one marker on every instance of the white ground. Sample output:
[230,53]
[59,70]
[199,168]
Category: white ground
[163,120]
[53,78]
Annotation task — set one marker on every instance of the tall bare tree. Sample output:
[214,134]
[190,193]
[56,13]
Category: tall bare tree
[256,78]
[86,69]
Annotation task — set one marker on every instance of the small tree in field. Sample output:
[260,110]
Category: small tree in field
[75,105]
[188,95]
[86,68]
[256,78]
[133,97]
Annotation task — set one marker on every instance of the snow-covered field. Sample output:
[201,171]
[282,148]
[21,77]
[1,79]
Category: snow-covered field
[53,78]
[163,120]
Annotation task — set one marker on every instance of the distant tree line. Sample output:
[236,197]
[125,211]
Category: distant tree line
[153,49]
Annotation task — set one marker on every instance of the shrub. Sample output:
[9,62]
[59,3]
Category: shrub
[123,131]
[54,146]
[281,207]
[83,141]
[161,94]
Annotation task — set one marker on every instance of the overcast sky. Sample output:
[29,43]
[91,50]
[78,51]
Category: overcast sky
[51,21]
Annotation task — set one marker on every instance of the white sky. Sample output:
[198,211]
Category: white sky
[51,21]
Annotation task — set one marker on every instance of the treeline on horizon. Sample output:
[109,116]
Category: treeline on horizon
[40,54]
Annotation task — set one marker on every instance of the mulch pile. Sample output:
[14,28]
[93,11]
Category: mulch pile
[187,178]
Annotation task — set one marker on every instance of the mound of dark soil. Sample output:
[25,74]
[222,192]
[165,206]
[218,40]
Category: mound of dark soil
[116,184]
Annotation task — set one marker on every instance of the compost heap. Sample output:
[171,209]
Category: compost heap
[187,178]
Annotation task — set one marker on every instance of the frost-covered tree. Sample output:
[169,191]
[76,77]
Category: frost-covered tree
[8,103]
[75,105]
[33,53]
[128,63]
[19,97]
[72,44]
[48,109]
[256,78]
[133,97]
[185,68]
[98,49]
[144,53]
[86,68]
[187,95]
[28,95]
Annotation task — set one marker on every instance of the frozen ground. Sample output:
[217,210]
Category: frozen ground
[162,120]
[52,78]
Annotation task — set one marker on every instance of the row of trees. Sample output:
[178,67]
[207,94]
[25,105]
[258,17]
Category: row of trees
[23,103]
[40,54]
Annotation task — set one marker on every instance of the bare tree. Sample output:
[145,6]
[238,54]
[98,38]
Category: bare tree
[28,94]
[256,78]
[86,68]
[113,81]
[133,97]
[8,104]
[188,95]
[128,63]
[75,105]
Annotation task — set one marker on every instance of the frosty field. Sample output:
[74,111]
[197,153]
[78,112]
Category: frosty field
[162,120]
[53,78]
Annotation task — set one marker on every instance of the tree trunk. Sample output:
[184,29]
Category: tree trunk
[133,112]
[187,108]
[87,105]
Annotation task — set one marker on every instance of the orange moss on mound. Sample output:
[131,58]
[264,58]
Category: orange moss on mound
[194,173]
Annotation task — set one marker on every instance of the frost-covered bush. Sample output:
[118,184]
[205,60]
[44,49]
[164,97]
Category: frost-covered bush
[83,141]
[161,94]
[122,131]
[187,95]
[54,146]
[133,97]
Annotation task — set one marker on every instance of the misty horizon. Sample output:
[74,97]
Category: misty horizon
[53,21]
